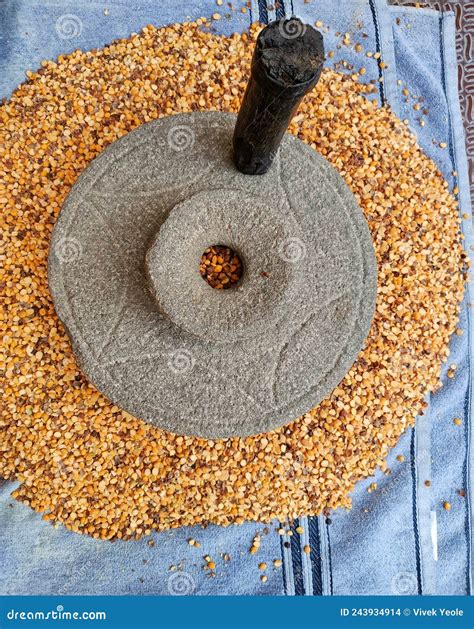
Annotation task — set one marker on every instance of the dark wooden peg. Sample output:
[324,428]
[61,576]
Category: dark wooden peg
[286,64]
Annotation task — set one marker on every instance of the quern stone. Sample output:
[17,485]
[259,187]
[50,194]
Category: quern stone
[154,337]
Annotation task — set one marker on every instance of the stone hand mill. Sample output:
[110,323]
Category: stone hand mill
[148,330]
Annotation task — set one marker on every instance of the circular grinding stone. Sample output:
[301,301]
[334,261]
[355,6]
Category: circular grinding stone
[154,337]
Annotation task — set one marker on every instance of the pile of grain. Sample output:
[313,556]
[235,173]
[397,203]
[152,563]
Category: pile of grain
[220,267]
[79,458]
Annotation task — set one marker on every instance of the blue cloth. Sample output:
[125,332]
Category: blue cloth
[396,540]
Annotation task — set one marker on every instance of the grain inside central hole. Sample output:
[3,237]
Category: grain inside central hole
[221,267]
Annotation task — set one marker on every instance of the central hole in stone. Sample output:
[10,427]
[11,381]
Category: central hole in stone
[221,267]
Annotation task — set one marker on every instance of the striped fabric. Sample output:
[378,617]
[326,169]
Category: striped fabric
[396,540]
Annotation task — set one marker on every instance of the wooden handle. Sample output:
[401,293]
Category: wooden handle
[286,64]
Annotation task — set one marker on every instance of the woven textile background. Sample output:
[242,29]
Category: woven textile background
[397,540]
[464,12]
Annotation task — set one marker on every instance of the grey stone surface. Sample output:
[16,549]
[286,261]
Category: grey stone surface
[154,337]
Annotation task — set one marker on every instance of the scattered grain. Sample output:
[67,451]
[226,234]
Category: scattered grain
[80,459]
